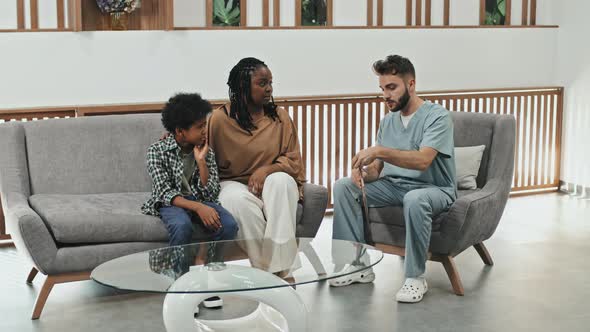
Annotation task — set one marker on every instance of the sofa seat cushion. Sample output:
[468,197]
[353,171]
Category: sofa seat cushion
[394,215]
[100,218]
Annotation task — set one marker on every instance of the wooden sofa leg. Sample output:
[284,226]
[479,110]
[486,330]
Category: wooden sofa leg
[48,285]
[42,297]
[449,264]
[484,254]
[32,275]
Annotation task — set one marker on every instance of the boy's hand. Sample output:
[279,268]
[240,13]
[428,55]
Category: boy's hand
[209,216]
[256,182]
[164,136]
[201,152]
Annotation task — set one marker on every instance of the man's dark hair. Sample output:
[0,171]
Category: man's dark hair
[240,92]
[183,110]
[394,65]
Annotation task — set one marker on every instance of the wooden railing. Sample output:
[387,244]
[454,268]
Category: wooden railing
[333,128]
[83,15]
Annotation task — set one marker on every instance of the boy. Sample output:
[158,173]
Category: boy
[185,182]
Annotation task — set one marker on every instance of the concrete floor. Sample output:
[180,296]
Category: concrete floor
[539,283]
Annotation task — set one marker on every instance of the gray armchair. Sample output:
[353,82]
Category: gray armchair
[474,216]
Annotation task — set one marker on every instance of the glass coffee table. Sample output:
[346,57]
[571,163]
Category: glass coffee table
[265,271]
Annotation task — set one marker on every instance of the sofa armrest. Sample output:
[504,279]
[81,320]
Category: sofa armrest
[29,233]
[315,201]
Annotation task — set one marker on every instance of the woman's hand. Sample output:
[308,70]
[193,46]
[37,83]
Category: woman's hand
[256,182]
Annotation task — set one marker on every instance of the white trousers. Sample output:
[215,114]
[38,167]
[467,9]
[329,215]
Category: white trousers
[270,222]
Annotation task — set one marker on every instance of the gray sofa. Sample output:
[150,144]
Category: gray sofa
[474,216]
[71,191]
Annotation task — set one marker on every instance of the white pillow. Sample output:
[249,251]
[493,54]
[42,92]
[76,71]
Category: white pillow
[467,160]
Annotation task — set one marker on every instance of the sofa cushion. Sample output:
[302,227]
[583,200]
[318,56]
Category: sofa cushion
[394,215]
[100,218]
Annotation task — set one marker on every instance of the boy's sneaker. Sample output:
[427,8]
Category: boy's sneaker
[364,276]
[214,302]
[412,291]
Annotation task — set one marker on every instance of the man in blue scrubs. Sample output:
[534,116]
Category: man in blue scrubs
[412,166]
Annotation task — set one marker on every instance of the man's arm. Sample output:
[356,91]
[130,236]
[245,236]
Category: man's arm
[418,160]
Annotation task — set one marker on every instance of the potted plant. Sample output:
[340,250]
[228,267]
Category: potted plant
[118,10]
[226,12]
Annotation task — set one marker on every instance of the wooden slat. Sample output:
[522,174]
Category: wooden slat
[339,109]
[61,22]
[525,12]
[538,135]
[529,131]
[370,136]
[482,12]
[243,13]
[265,13]
[542,148]
[304,147]
[2,221]
[508,17]
[169,15]
[428,13]
[518,115]
[408,12]
[209,13]
[329,152]
[418,12]
[362,133]
[322,139]
[298,8]
[550,123]
[533,12]
[75,15]
[330,13]
[347,137]
[379,13]
[369,13]
[312,142]
[558,136]
[34,11]
[20,14]
[276,9]
[447,13]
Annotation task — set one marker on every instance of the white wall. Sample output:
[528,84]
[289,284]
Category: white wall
[44,69]
[573,71]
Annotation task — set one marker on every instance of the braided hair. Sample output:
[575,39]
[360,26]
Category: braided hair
[240,93]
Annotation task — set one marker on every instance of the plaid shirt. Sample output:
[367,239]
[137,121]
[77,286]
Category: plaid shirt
[164,164]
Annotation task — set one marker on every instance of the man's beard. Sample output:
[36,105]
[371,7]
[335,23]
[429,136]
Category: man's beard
[402,102]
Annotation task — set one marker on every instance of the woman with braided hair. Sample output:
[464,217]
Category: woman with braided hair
[260,166]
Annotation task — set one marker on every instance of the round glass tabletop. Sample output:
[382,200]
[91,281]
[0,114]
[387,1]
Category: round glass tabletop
[232,266]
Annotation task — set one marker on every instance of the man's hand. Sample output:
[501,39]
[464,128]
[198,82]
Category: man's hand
[356,177]
[364,157]
[256,182]
[208,215]
[201,152]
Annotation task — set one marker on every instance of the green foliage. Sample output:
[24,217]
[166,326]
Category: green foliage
[226,12]
[497,14]
[313,12]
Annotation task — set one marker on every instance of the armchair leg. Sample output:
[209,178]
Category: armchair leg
[449,264]
[32,275]
[484,254]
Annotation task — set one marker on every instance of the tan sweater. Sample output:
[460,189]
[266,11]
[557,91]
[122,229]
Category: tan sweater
[239,154]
